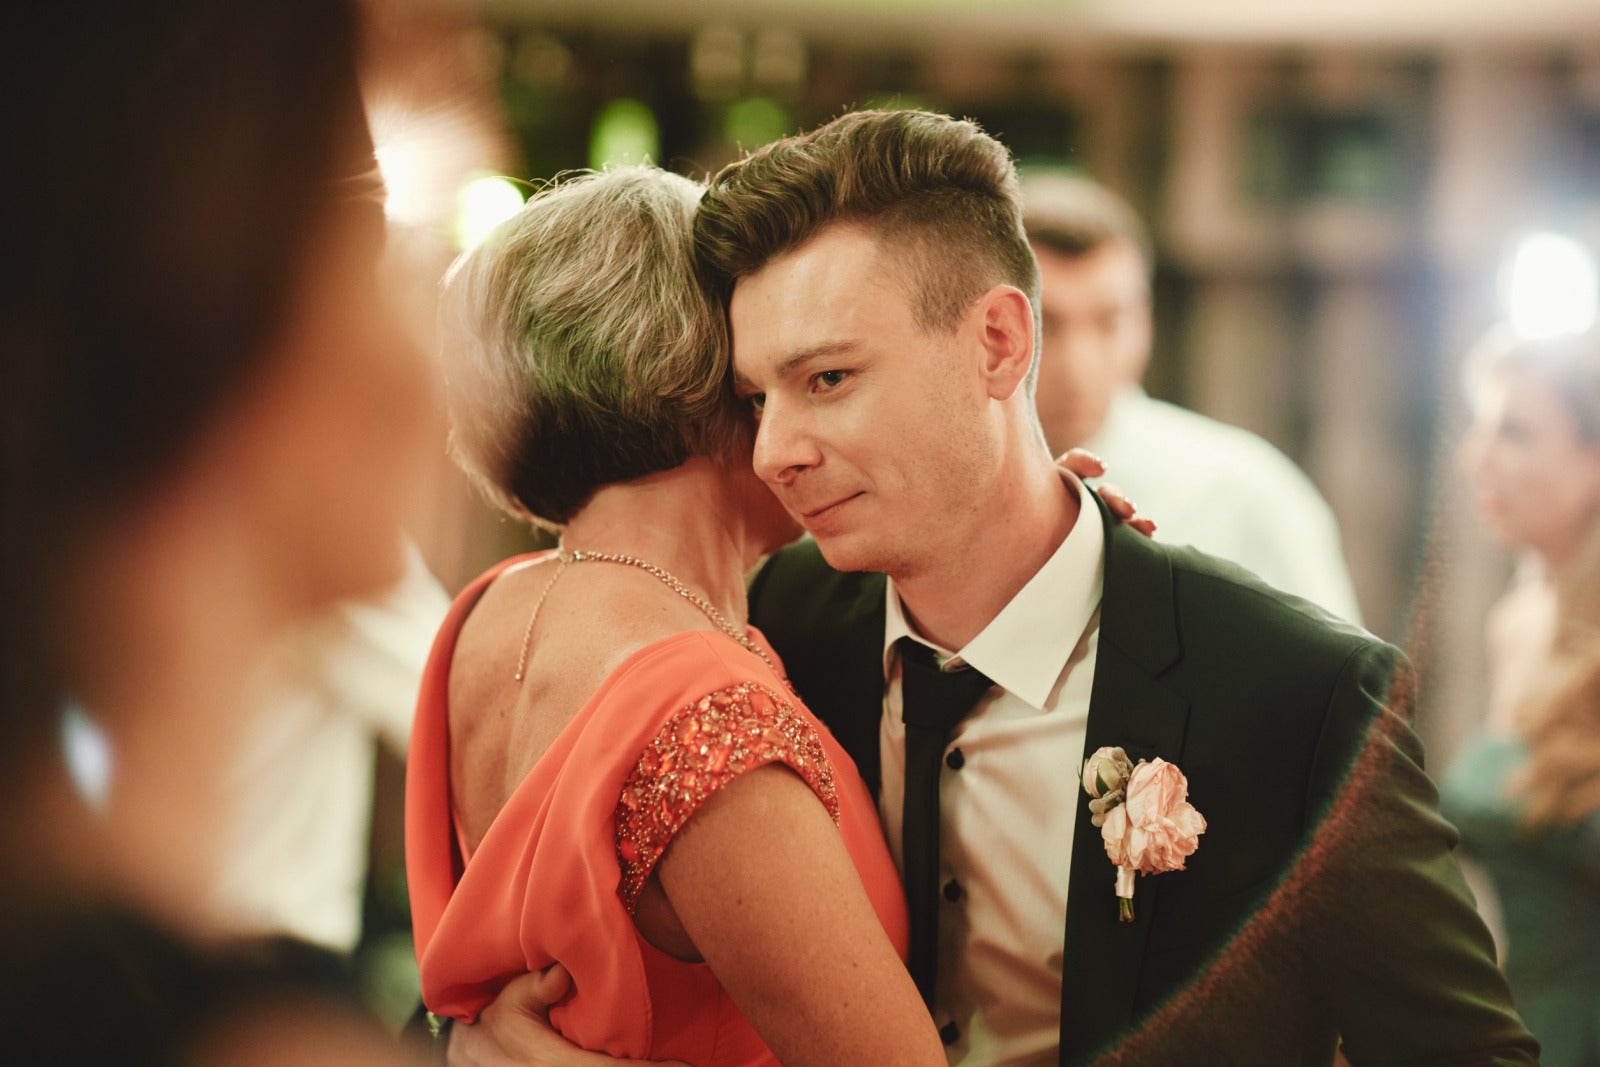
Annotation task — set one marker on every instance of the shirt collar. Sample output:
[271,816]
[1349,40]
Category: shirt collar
[1025,648]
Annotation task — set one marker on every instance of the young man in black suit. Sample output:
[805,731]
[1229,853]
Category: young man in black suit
[883,307]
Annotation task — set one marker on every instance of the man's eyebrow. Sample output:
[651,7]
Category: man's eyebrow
[811,353]
[801,358]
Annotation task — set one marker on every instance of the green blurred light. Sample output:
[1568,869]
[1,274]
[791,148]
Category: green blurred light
[482,204]
[624,132]
[754,122]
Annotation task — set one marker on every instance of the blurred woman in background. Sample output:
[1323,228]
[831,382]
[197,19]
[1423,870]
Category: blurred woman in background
[1526,793]
[211,428]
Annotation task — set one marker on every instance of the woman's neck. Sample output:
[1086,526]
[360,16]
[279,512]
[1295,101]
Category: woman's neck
[686,521]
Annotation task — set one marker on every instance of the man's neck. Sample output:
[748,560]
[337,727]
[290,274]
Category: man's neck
[951,601]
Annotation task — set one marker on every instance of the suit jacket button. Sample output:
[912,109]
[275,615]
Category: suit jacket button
[949,1033]
[954,759]
[952,891]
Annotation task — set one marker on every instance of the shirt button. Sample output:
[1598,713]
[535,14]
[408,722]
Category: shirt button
[949,1033]
[954,759]
[952,891]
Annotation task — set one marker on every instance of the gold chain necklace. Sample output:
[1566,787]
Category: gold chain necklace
[567,558]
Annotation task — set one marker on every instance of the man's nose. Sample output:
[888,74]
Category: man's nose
[784,445]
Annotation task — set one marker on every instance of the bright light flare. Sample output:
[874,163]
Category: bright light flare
[484,203]
[399,167]
[1550,287]
[426,155]
[403,159]
[88,755]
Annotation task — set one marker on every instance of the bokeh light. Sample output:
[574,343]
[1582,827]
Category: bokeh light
[484,203]
[624,132]
[1550,286]
[755,121]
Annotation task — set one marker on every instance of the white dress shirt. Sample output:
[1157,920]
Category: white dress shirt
[1006,815]
[1227,492]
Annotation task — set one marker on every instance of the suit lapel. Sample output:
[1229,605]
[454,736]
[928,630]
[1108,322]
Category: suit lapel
[1128,707]
[852,690]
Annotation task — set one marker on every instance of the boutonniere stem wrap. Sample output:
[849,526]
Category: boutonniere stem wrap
[1144,816]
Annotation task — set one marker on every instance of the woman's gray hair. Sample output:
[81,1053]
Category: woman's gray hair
[582,347]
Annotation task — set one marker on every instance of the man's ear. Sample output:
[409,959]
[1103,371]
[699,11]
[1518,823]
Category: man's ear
[1004,319]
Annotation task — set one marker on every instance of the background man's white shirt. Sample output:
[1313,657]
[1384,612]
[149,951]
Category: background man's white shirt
[1226,492]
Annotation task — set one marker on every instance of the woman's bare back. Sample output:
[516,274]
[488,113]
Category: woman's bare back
[592,619]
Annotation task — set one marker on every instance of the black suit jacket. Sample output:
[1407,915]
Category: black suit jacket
[1323,901]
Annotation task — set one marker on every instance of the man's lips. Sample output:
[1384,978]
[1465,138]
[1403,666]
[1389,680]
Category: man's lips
[818,511]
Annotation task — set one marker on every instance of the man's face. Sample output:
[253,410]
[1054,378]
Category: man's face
[1096,322]
[875,434]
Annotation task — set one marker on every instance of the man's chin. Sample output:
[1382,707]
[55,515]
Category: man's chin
[846,554]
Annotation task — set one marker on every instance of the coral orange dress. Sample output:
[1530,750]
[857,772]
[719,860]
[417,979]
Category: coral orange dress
[556,877]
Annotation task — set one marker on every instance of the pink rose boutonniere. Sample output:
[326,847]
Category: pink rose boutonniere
[1145,818]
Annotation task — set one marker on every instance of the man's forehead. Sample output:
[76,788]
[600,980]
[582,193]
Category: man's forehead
[824,275]
[786,346]
[834,246]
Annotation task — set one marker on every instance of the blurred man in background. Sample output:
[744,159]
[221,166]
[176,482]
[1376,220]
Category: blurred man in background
[1214,486]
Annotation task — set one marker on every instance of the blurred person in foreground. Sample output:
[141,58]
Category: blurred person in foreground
[882,307]
[213,428]
[1217,487]
[1526,792]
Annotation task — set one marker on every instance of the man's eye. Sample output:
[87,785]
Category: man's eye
[831,378]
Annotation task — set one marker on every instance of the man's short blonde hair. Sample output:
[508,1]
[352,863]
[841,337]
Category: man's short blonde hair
[937,190]
[582,348]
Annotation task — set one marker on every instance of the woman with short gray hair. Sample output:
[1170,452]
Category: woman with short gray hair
[609,771]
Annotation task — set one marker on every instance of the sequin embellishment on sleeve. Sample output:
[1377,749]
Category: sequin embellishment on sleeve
[699,750]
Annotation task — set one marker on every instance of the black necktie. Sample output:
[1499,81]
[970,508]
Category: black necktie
[932,702]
